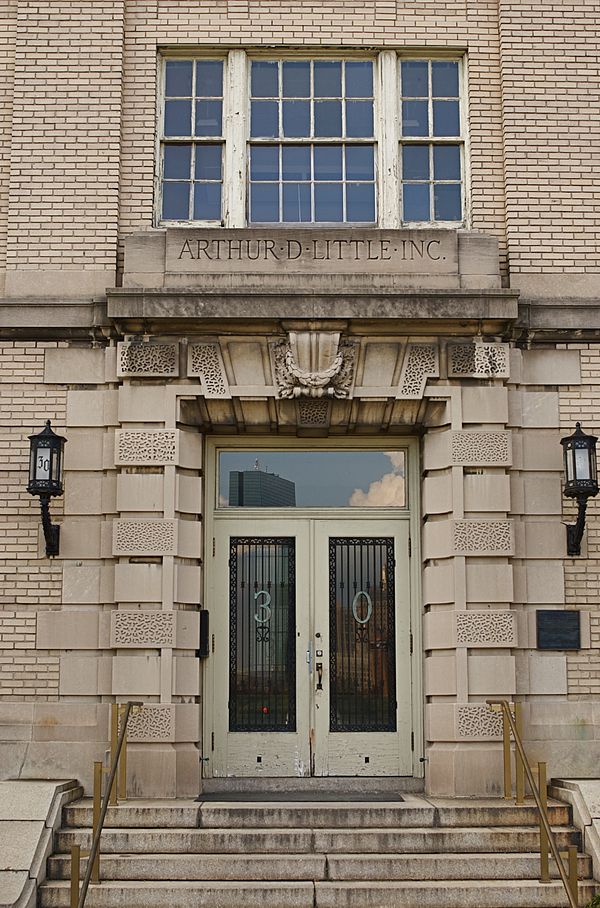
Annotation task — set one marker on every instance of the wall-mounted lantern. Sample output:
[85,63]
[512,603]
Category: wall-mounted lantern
[581,480]
[46,478]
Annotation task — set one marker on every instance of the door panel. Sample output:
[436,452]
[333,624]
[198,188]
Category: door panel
[312,658]
[362,654]
[363,712]
[261,637]
[262,632]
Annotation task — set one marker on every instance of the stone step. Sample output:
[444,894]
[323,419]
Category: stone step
[184,894]
[412,812]
[315,841]
[324,786]
[227,894]
[450,894]
[315,867]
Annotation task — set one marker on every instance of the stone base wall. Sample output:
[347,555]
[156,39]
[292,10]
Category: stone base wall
[115,617]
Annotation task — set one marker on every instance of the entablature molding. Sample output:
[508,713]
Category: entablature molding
[447,313]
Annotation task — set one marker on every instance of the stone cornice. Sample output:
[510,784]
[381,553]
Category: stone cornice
[125,310]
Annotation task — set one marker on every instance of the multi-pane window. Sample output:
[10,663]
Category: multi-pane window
[303,138]
[192,153]
[432,142]
[321,166]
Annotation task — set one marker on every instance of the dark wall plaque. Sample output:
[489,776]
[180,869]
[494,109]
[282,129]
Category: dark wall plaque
[558,629]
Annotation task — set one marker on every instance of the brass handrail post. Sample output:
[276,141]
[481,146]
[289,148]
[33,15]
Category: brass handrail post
[98,772]
[519,763]
[543,788]
[506,757]
[114,735]
[571,887]
[122,785]
[75,869]
[573,875]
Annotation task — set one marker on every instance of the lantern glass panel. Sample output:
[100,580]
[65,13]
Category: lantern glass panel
[42,463]
[32,454]
[56,459]
[569,464]
[582,464]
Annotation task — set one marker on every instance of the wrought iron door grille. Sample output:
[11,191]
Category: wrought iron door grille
[362,634]
[262,634]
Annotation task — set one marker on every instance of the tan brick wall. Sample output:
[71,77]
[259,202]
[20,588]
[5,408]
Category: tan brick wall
[24,672]
[455,24]
[8,23]
[25,402]
[582,575]
[65,135]
[530,97]
[550,91]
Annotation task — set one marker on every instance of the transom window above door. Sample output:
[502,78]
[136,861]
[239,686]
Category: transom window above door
[312,479]
[371,140]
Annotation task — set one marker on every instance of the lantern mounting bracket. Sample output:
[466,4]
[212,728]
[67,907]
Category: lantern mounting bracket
[575,530]
[51,530]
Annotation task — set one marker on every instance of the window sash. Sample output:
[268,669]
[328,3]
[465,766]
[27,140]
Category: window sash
[236,143]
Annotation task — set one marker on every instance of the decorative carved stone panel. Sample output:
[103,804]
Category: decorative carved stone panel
[147,360]
[148,447]
[483,537]
[478,360]
[313,414]
[313,364]
[146,629]
[206,363]
[485,628]
[144,537]
[421,361]
[485,449]
[474,721]
[153,723]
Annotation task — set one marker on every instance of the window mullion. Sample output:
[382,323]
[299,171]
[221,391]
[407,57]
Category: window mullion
[388,142]
[235,132]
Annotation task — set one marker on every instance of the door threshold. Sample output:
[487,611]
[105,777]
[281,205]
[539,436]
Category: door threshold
[327,788]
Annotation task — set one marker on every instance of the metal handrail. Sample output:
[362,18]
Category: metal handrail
[95,849]
[544,823]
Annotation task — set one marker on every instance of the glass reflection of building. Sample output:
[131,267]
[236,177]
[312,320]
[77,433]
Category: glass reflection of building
[258,489]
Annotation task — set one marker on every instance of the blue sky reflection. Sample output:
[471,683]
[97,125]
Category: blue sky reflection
[327,479]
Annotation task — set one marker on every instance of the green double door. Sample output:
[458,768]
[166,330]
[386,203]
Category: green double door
[310,674]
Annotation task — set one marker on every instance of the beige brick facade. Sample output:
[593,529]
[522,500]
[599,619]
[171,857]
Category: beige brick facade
[26,579]
[582,579]
[143,354]
[25,673]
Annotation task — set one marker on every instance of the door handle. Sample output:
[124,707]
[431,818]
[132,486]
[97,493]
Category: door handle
[319,667]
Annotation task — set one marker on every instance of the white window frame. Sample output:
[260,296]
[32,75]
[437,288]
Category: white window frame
[388,140]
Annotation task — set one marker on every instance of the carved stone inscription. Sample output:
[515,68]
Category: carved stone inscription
[312,251]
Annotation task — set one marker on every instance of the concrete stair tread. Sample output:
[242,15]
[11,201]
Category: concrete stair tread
[315,866]
[411,812]
[448,894]
[273,840]
[230,894]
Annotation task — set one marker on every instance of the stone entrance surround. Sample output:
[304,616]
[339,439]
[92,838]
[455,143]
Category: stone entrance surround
[182,354]
[133,569]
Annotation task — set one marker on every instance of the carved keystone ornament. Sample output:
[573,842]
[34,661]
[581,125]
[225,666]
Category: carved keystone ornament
[313,364]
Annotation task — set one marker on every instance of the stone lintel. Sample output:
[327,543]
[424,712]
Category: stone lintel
[444,310]
[46,318]
[559,319]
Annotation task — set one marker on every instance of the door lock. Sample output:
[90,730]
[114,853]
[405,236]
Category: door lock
[319,667]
